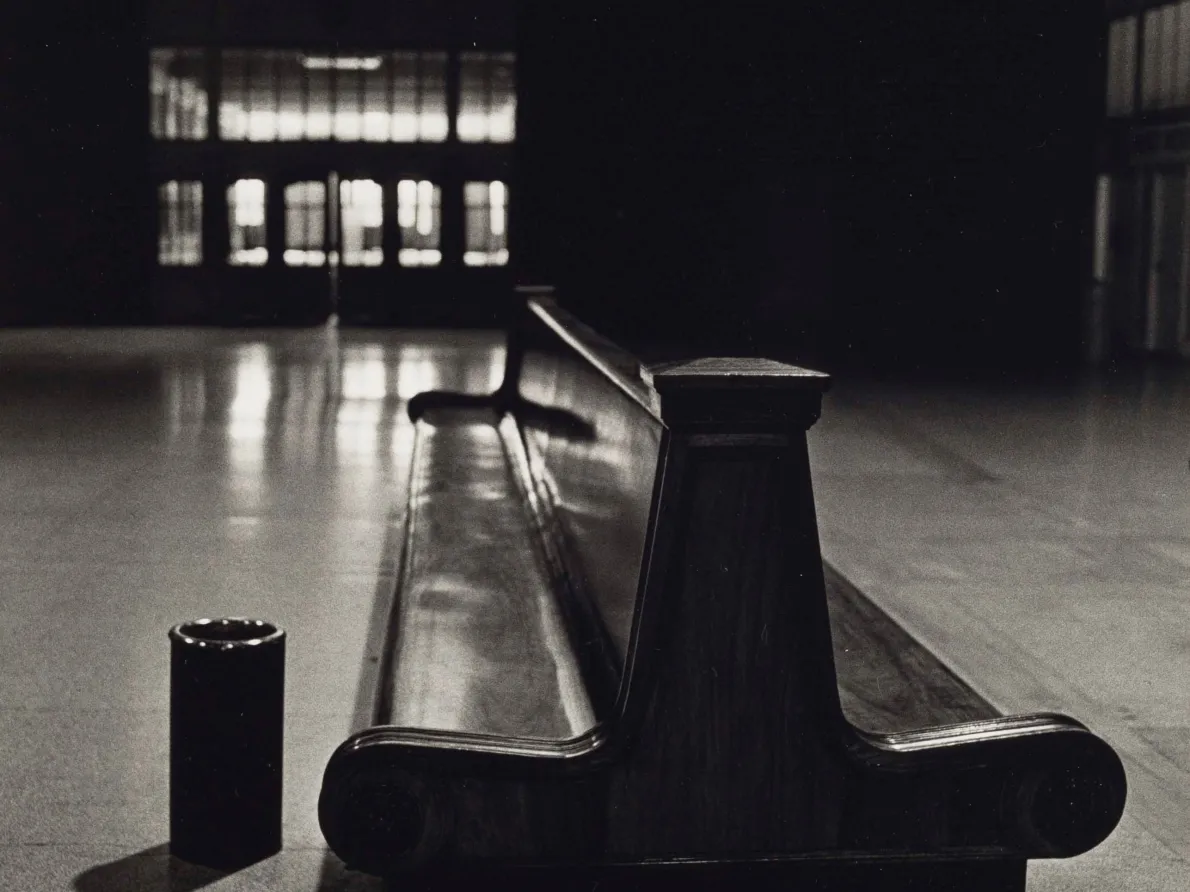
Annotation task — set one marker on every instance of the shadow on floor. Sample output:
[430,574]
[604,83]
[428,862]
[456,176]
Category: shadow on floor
[337,878]
[151,870]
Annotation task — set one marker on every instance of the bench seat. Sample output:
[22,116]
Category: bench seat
[613,646]
[479,643]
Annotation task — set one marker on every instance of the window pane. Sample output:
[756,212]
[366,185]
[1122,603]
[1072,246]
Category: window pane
[262,97]
[348,110]
[1119,86]
[289,95]
[1168,49]
[1113,68]
[362,211]
[291,74]
[502,124]
[177,94]
[318,120]
[1128,65]
[473,98]
[1102,216]
[418,97]
[1149,79]
[419,216]
[305,230]
[486,224]
[179,230]
[433,122]
[1182,70]
[487,97]
[233,111]
[376,106]
[246,220]
[405,97]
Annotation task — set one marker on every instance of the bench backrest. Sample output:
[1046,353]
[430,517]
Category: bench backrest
[594,441]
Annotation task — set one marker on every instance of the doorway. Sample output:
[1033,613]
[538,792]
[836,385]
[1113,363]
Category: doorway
[358,236]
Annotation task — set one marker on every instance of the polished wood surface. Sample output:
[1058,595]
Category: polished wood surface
[889,682]
[728,739]
[598,474]
[477,641]
[731,746]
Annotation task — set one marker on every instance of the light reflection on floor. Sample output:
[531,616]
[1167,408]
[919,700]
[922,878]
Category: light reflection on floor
[153,476]
[1036,539]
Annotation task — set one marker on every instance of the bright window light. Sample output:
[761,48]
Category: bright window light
[486,224]
[245,207]
[179,229]
[269,95]
[362,221]
[342,63]
[487,98]
[419,257]
[177,94]
[419,216]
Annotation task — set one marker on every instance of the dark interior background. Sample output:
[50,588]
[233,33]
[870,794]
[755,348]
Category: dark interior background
[894,186]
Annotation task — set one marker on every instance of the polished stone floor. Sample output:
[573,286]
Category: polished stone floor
[1036,539]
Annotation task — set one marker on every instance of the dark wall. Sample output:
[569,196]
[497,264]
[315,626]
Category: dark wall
[673,168]
[75,206]
[837,182]
[971,139]
[348,23]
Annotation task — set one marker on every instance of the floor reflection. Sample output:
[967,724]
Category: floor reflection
[151,476]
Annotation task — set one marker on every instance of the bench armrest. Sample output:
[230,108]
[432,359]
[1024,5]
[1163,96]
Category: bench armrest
[395,790]
[1051,788]
[428,400]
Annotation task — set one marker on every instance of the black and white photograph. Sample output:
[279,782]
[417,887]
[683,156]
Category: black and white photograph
[594,446]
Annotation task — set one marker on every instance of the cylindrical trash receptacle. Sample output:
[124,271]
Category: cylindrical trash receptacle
[227,690]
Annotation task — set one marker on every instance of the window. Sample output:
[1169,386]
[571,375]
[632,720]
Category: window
[419,97]
[179,227]
[317,117]
[305,224]
[361,205]
[1181,77]
[233,97]
[487,97]
[487,224]
[1121,66]
[1162,70]
[375,125]
[1168,48]
[255,91]
[1102,219]
[289,95]
[177,94]
[245,212]
[419,216]
[1149,91]
[349,104]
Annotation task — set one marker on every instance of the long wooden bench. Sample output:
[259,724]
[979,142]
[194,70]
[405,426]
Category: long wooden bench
[610,653]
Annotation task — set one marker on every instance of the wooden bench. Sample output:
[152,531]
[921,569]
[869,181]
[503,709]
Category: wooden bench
[610,653]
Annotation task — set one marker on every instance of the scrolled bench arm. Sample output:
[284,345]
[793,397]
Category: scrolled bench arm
[1059,790]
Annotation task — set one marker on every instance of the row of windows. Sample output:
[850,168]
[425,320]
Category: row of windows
[360,213]
[287,95]
[1164,66]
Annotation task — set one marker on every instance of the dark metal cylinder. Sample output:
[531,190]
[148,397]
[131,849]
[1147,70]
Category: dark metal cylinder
[227,690]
